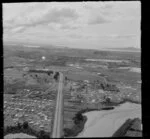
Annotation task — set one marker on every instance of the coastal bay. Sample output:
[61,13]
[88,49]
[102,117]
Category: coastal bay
[105,123]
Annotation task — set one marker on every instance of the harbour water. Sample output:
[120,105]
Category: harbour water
[105,123]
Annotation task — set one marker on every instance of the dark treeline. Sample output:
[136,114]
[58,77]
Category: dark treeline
[79,122]
[25,128]
[108,102]
[56,76]
[40,71]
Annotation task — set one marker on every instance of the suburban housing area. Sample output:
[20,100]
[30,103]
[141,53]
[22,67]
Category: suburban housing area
[31,89]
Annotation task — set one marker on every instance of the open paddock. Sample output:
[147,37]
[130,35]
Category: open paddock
[83,76]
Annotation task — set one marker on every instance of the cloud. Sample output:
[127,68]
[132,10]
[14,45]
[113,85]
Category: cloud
[99,13]
[19,29]
[98,20]
[101,5]
[108,5]
[126,36]
[53,22]
[58,16]
[75,36]
[70,26]
[114,11]
[130,37]
[35,7]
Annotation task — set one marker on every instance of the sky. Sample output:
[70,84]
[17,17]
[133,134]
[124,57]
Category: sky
[92,25]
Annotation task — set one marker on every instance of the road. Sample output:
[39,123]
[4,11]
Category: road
[58,119]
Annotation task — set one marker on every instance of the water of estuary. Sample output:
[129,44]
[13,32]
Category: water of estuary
[105,123]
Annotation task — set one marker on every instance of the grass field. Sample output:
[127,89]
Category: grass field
[84,76]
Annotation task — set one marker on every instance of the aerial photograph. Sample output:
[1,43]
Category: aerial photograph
[72,69]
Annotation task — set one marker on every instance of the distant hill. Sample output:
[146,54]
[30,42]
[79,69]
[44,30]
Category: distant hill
[132,49]
[128,48]
[29,44]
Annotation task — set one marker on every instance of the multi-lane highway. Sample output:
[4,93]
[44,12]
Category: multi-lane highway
[58,119]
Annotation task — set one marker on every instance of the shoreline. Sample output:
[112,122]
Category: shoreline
[108,106]
[75,130]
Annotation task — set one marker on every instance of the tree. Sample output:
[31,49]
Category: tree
[67,132]
[78,117]
[49,73]
[8,129]
[25,125]
[108,100]
[65,78]
[19,125]
[43,135]
[102,86]
[56,76]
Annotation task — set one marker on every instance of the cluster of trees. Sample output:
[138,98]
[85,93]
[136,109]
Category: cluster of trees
[56,76]
[12,88]
[25,128]
[79,121]
[40,96]
[82,87]
[36,76]
[49,73]
[135,62]
[102,53]
[42,80]
[109,87]
[78,118]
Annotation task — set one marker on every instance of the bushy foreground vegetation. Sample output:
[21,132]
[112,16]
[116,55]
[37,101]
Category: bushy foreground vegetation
[25,128]
[79,121]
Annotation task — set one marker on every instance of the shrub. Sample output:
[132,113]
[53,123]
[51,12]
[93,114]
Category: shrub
[25,125]
[67,132]
[43,135]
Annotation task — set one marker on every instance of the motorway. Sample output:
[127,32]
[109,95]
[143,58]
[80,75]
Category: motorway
[58,119]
